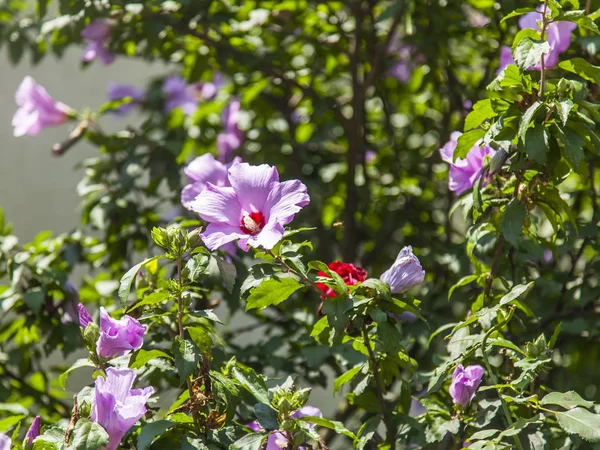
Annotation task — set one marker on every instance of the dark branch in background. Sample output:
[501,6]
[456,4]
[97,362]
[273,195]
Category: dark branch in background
[495,262]
[355,140]
[379,57]
[358,123]
[560,304]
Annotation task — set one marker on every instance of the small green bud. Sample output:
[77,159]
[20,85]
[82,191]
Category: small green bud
[91,334]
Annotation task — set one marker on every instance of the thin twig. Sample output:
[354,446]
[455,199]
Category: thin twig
[303,278]
[391,432]
[495,262]
[543,63]
[182,335]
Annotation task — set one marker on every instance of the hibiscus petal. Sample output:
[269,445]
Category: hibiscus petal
[252,184]
[218,234]
[218,204]
[285,200]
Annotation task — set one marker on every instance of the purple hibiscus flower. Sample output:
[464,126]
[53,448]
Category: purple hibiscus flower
[558,36]
[97,34]
[277,440]
[231,138]
[179,95]
[253,210]
[37,110]
[505,58]
[465,382]
[407,60]
[464,172]
[405,273]
[210,88]
[33,432]
[84,316]
[118,91]
[69,304]
[204,169]
[5,442]
[117,407]
[117,337]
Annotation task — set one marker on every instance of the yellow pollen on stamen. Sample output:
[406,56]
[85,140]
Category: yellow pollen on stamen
[250,224]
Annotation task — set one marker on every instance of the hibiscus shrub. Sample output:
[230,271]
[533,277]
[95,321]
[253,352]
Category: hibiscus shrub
[391,202]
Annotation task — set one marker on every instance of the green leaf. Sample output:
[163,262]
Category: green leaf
[573,143]
[567,400]
[338,427]
[321,331]
[336,309]
[272,292]
[466,142]
[89,435]
[581,422]
[206,314]
[34,298]
[141,357]
[581,67]
[527,118]
[252,382]
[83,362]
[517,291]
[249,442]
[537,143]
[554,337]
[152,299]
[517,12]
[346,377]
[511,224]
[227,271]
[477,199]
[125,285]
[9,422]
[187,357]
[304,132]
[462,282]
[381,287]
[482,111]
[266,416]
[151,431]
[196,267]
[483,434]
[564,107]
[528,52]
[339,286]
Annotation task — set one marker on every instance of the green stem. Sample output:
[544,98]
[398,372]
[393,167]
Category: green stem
[303,278]
[182,336]
[390,431]
[543,63]
[493,375]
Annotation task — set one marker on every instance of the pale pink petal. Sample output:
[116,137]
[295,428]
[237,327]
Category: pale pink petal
[285,200]
[218,234]
[252,184]
[218,204]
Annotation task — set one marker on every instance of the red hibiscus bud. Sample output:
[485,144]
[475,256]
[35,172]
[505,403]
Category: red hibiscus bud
[350,273]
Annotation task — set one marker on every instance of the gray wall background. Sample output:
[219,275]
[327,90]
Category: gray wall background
[37,190]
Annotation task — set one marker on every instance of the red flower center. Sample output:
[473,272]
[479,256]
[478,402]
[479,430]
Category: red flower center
[252,223]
